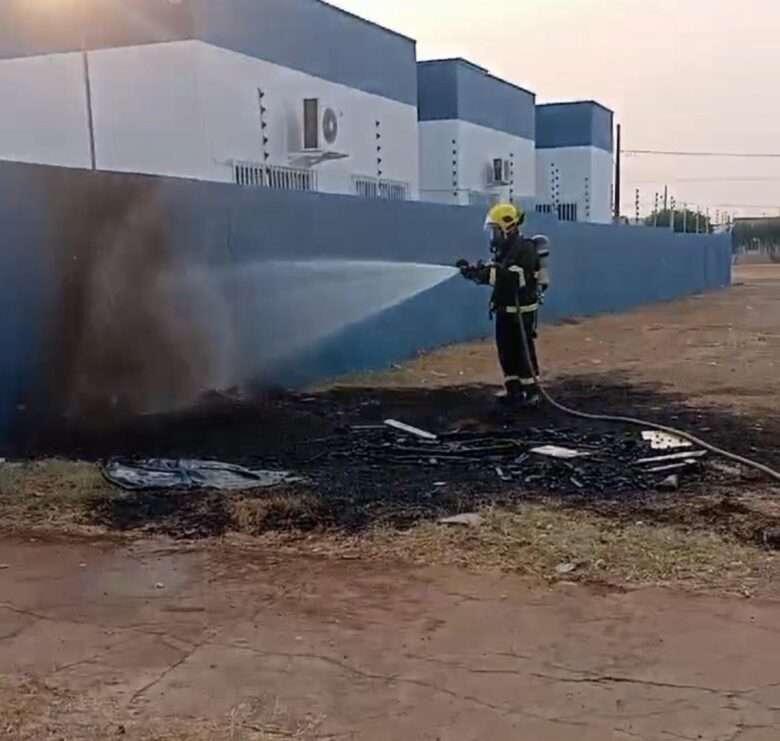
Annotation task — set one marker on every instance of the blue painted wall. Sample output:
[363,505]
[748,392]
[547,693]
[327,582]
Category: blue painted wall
[595,268]
[314,37]
[306,35]
[580,124]
[24,283]
[450,89]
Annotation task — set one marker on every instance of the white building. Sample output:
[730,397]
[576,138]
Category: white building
[287,93]
[476,135]
[575,161]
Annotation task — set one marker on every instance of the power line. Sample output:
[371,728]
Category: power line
[665,153]
[773,206]
[693,205]
[713,179]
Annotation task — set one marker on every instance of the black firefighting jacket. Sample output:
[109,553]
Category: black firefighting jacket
[515,278]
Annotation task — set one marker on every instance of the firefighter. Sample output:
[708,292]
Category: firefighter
[519,277]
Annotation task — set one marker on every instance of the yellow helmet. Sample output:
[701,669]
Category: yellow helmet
[506,216]
[502,221]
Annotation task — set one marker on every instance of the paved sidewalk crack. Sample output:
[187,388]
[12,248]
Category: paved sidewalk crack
[186,654]
[612,679]
[395,678]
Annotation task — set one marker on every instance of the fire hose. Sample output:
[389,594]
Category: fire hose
[635,422]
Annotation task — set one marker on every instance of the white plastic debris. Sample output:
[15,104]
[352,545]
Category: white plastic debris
[686,456]
[165,474]
[724,468]
[672,467]
[416,431]
[554,451]
[664,441]
[468,520]
[502,475]
[670,483]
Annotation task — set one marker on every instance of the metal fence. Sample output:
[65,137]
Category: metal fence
[252,174]
[377,188]
[561,211]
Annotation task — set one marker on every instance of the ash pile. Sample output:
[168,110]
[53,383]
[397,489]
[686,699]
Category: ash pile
[555,460]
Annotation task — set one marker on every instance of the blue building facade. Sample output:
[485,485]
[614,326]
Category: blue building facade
[574,160]
[577,124]
[477,135]
[456,89]
[308,35]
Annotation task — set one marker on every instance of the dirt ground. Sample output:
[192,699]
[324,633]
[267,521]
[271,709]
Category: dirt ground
[722,349]
[531,626]
[148,642]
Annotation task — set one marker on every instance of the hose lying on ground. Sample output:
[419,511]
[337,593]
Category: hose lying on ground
[770,472]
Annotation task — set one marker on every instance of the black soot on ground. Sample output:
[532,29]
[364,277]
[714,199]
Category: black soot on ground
[364,474]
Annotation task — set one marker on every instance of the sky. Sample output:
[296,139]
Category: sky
[681,75]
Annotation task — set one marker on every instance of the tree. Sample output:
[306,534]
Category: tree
[758,234]
[683,221]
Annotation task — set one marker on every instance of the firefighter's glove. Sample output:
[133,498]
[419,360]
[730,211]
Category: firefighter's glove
[478,273]
[467,270]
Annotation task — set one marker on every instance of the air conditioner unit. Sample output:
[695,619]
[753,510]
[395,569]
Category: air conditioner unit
[500,171]
[321,134]
[321,125]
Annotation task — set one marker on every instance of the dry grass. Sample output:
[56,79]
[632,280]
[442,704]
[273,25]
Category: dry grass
[534,540]
[49,493]
[253,515]
[32,711]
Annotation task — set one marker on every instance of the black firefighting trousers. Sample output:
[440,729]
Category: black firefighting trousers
[518,365]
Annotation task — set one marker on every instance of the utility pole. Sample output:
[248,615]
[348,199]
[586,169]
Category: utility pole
[655,211]
[685,218]
[666,197]
[671,214]
[618,173]
[88,92]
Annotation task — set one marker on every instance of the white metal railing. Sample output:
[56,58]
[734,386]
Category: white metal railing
[568,212]
[561,211]
[377,188]
[255,175]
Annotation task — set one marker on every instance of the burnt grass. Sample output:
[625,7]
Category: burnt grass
[358,484]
